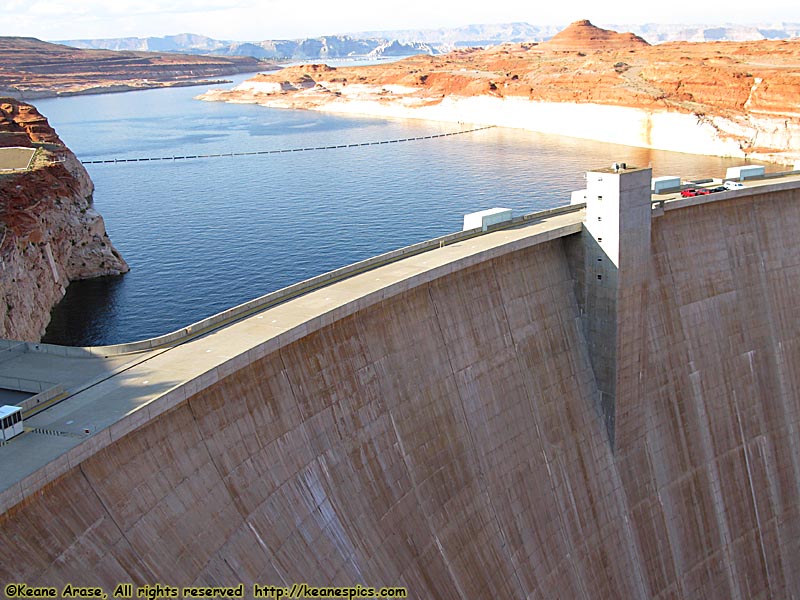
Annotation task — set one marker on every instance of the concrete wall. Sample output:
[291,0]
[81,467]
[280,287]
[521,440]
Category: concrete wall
[709,451]
[449,439]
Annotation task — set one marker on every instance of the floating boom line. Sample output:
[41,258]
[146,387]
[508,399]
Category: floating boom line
[261,152]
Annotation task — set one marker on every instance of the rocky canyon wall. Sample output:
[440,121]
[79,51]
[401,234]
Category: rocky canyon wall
[50,234]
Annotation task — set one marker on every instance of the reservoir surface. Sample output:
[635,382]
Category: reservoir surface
[203,235]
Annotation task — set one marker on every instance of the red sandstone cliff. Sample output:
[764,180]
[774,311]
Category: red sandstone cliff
[50,234]
[744,94]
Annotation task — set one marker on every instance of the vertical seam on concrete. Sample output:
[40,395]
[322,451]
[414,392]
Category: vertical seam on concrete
[300,414]
[415,488]
[357,548]
[663,511]
[751,486]
[222,481]
[785,393]
[507,323]
[473,449]
[304,432]
[774,372]
[466,424]
[141,560]
[431,530]
[714,486]
[550,460]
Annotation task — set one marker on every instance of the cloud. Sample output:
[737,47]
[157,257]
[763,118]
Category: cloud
[264,19]
[61,19]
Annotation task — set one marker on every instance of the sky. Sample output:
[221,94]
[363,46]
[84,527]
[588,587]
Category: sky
[272,19]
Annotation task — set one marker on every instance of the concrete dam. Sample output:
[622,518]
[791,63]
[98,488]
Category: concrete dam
[598,402]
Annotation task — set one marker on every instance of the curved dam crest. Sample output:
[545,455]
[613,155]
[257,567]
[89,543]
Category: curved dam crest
[451,436]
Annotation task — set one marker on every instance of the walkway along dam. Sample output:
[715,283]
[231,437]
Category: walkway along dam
[596,402]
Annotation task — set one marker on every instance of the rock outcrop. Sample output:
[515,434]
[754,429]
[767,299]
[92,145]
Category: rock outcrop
[50,234]
[582,35]
[728,98]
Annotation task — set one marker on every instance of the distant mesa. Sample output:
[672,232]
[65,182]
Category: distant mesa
[326,47]
[582,35]
[31,68]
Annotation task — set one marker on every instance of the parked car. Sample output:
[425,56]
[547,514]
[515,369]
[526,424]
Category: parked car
[733,185]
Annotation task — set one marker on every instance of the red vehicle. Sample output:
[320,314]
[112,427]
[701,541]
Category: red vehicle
[689,192]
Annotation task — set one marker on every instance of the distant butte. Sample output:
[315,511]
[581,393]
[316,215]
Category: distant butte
[582,35]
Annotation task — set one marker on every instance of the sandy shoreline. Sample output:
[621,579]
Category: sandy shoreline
[644,128]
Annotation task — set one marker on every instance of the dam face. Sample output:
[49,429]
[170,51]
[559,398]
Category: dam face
[452,438]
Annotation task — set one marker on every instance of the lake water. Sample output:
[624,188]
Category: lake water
[203,235]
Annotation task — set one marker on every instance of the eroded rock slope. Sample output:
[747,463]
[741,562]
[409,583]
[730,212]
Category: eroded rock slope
[50,234]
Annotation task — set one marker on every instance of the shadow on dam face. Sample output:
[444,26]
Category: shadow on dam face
[450,440]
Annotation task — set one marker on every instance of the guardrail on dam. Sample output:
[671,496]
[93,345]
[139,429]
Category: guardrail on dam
[485,420]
